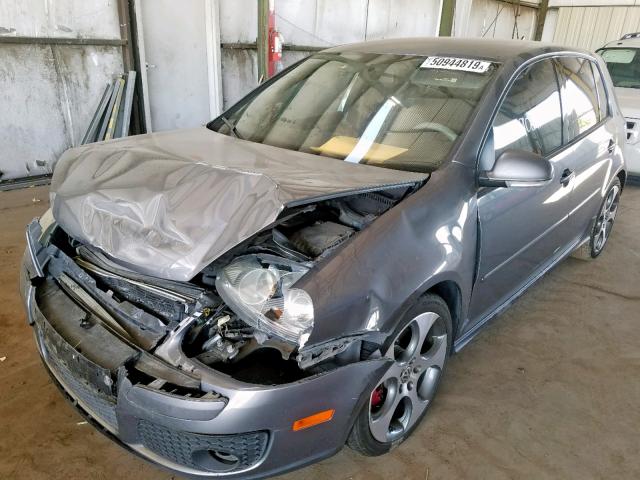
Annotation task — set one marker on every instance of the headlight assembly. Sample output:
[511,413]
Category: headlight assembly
[260,290]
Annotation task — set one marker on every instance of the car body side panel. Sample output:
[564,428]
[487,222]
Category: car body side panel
[521,228]
[367,284]
[573,232]
[594,164]
[594,167]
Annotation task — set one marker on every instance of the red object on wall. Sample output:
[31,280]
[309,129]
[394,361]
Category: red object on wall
[274,61]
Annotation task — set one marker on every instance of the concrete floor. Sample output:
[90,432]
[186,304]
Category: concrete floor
[549,390]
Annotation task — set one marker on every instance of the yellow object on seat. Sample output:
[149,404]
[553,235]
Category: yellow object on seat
[342,146]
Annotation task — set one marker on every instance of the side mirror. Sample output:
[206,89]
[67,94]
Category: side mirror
[517,168]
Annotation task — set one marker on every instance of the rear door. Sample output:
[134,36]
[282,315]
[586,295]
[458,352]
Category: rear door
[588,131]
[521,228]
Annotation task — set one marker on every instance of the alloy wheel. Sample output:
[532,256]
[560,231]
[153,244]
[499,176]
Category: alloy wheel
[607,216]
[418,352]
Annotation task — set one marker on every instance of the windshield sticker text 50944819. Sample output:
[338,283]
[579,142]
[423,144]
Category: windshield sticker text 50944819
[454,63]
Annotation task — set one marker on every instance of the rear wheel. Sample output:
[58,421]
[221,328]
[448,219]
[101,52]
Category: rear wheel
[603,224]
[419,350]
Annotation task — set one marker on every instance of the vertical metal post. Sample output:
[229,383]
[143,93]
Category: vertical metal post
[130,62]
[542,17]
[141,62]
[446,18]
[214,57]
[125,34]
[263,39]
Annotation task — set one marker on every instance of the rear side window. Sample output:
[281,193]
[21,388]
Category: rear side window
[579,96]
[603,109]
[530,117]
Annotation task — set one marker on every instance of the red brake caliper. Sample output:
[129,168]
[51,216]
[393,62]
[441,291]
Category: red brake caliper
[377,397]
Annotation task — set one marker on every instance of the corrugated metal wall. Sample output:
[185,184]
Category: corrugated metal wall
[592,27]
[497,19]
[48,92]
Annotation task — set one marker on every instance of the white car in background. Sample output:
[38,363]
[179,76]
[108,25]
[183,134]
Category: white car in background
[623,61]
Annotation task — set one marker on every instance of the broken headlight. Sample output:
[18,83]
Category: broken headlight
[260,289]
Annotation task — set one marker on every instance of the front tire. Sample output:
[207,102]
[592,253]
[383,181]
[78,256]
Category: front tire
[419,348]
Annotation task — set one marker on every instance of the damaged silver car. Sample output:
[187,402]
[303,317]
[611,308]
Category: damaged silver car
[243,299]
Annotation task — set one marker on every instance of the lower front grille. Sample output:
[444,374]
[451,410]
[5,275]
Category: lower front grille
[98,405]
[215,453]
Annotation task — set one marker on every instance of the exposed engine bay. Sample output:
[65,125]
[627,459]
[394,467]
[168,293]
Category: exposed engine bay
[242,315]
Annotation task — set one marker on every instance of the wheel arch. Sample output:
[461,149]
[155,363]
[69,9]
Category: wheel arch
[622,175]
[450,292]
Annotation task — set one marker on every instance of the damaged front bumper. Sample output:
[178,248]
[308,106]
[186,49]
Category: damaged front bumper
[231,429]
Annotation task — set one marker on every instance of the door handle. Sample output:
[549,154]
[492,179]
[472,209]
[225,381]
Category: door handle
[567,176]
[612,146]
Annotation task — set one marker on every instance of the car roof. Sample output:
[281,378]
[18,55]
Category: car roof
[490,49]
[627,42]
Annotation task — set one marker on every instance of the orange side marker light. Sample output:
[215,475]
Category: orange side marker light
[313,420]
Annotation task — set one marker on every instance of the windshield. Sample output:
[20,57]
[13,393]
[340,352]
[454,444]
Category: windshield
[623,65]
[395,111]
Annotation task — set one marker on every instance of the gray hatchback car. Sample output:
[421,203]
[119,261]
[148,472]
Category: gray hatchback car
[243,299]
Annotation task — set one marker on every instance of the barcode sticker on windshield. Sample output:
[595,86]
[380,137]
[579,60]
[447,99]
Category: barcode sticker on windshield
[454,63]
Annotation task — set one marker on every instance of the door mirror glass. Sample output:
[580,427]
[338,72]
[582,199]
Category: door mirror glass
[517,168]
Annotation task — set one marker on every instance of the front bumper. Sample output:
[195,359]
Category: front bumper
[245,431]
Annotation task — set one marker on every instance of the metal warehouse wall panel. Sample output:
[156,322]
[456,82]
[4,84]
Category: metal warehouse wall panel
[592,27]
[60,19]
[49,94]
[50,91]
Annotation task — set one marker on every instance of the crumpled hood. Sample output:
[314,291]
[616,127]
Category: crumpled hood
[629,101]
[168,204]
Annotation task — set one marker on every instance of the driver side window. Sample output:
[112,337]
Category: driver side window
[530,117]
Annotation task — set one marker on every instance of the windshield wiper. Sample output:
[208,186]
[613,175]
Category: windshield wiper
[232,127]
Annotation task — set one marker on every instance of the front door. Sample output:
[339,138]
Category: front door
[521,228]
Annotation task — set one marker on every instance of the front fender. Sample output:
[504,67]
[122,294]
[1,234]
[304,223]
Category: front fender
[427,238]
